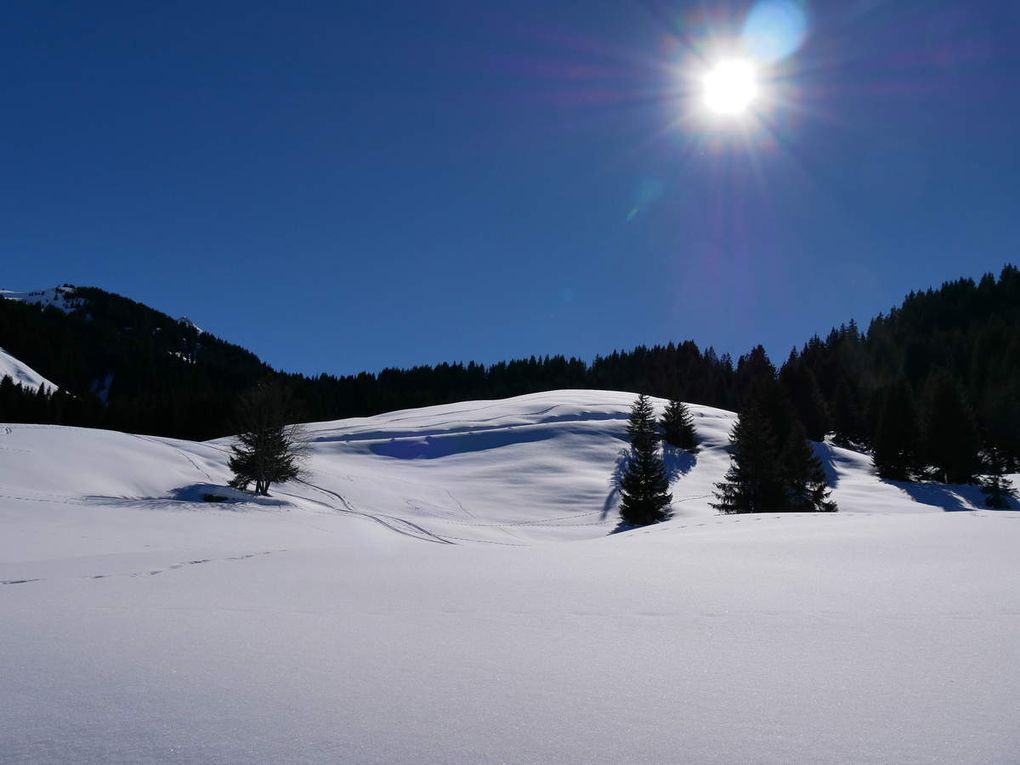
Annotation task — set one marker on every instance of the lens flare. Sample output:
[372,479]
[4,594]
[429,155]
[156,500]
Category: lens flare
[775,29]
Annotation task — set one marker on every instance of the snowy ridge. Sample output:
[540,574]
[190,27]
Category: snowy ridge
[22,373]
[62,298]
[189,323]
[407,603]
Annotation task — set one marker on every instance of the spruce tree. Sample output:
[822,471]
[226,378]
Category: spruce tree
[846,415]
[754,482]
[267,450]
[998,489]
[951,440]
[801,387]
[896,436]
[644,488]
[803,476]
[678,426]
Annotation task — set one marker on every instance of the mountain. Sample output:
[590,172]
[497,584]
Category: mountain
[125,366]
[22,374]
[63,298]
[444,586]
[129,367]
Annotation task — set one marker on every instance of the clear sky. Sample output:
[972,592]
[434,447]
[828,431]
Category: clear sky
[350,185]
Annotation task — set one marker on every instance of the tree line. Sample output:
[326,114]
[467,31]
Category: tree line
[933,387]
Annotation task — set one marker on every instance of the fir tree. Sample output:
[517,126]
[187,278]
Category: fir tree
[754,482]
[896,437]
[678,426]
[998,489]
[644,488]
[803,476]
[846,415]
[951,440]
[267,449]
[801,386]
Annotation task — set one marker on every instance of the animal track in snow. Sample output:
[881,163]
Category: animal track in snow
[155,571]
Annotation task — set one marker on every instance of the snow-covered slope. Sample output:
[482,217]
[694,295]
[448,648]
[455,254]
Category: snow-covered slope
[542,466]
[61,298]
[535,468]
[407,604]
[21,373]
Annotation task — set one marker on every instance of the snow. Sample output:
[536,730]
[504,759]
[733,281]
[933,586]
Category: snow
[21,373]
[62,298]
[189,323]
[445,588]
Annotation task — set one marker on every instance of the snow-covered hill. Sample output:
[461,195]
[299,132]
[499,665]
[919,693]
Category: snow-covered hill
[407,603]
[62,298]
[21,372]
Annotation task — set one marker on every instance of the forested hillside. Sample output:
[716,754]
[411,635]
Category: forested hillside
[945,363]
[123,366]
[942,367]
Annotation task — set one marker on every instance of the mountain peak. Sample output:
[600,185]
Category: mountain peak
[189,323]
[63,297]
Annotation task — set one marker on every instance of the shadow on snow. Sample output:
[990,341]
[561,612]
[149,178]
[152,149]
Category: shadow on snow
[677,462]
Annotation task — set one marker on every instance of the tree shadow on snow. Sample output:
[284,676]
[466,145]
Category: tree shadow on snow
[615,483]
[435,447]
[678,462]
[1011,505]
[943,496]
[952,497]
[472,430]
[622,527]
[827,457]
[192,497]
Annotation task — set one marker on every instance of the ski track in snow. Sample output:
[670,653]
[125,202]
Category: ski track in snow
[181,452]
[386,521]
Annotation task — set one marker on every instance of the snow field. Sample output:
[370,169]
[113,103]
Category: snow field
[414,601]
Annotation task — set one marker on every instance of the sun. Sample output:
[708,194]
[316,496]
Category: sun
[730,87]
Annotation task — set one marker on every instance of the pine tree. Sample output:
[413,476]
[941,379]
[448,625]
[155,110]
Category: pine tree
[803,476]
[951,440]
[10,400]
[753,484]
[896,437]
[678,426]
[998,489]
[267,449]
[801,387]
[644,488]
[846,415]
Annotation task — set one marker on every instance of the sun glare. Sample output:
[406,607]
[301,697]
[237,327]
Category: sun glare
[730,87]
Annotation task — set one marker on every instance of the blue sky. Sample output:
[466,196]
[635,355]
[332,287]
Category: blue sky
[353,185]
